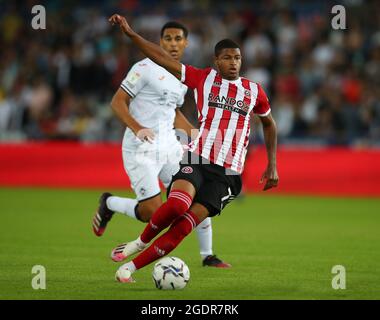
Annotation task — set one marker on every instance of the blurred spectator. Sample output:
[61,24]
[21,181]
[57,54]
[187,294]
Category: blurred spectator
[257,45]
[323,84]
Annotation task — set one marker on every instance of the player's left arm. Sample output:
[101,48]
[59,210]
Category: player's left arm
[181,122]
[262,109]
[270,137]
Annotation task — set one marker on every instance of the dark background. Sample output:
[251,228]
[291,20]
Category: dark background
[323,84]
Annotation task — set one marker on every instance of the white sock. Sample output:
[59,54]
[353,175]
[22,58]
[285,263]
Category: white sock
[130,266]
[204,232]
[140,243]
[122,205]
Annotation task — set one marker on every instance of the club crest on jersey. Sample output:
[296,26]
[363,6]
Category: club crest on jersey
[217,84]
[142,191]
[187,170]
[247,93]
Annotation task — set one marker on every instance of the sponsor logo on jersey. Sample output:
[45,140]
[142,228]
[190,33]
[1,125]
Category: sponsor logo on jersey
[187,170]
[228,103]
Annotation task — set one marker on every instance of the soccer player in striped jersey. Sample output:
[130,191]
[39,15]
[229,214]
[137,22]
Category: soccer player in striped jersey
[148,103]
[209,176]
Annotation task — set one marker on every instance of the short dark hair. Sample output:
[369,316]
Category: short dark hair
[174,25]
[225,44]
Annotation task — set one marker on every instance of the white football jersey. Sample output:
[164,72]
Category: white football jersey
[155,94]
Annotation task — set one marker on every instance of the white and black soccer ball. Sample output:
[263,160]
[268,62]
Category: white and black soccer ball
[171,273]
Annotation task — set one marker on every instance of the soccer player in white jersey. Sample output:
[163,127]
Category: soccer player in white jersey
[148,102]
[204,185]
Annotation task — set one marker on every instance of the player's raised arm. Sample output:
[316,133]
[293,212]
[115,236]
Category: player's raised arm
[151,50]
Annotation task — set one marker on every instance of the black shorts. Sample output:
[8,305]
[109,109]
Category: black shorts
[215,185]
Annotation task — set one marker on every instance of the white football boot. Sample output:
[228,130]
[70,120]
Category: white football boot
[124,275]
[125,250]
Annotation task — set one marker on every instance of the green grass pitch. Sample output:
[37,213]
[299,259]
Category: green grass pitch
[280,247]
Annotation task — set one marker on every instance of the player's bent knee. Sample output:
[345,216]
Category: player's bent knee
[178,210]
[179,203]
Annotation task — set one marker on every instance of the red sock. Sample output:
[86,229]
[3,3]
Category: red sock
[180,228]
[177,204]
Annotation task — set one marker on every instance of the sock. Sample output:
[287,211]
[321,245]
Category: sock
[122,205]
[140,243]
[177,204]
[180,228]
[204,233]
[130,266]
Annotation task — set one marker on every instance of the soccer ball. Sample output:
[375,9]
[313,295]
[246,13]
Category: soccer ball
[171,273]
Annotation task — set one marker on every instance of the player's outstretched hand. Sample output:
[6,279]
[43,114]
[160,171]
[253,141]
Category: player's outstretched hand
[119,20]
[145,134]
[271,177]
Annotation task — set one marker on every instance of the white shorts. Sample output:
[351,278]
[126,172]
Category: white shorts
[146,168]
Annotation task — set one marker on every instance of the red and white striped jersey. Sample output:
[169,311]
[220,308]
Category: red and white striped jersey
[224,109]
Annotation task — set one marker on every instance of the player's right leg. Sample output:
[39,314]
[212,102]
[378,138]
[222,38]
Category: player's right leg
[205,204]
[204,229]
[180,228]
[185,184]
[147,208]
[180,195]
[178,202]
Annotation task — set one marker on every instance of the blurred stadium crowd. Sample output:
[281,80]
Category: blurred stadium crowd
[323,84]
